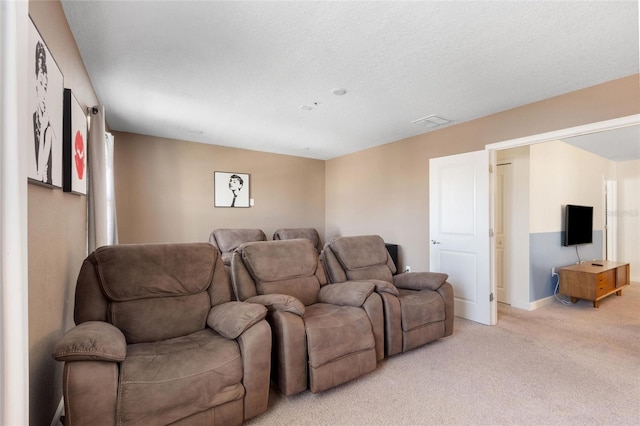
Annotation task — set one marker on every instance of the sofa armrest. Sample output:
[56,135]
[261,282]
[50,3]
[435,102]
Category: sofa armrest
[446,292]
[231,319]
[91,341]
[385,287]
[255,346]
[90,392]
[350,293]
[420,280]
[279,302]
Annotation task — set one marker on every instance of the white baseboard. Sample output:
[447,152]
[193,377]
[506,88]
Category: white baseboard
[541,302]
[59,412]
[532,306]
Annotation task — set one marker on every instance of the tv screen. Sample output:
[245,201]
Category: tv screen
[578,225]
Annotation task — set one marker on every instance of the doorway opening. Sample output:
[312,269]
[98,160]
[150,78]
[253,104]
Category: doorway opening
[520,292]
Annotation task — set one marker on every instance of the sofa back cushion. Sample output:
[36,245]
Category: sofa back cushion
[362,257]
[284,267]
[152,291]
[228,239]
[310,234]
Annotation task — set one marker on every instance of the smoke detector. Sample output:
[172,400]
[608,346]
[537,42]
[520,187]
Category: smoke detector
[431,121]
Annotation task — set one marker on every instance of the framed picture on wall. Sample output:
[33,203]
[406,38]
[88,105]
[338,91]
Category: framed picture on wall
[74,149]
[230,189]
[45,85]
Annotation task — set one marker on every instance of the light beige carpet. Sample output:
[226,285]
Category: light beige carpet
[558,365]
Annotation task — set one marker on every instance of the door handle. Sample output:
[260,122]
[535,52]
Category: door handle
[434,242]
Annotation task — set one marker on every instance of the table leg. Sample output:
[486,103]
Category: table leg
[596,303]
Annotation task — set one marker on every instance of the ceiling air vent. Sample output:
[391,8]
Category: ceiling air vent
[431,121]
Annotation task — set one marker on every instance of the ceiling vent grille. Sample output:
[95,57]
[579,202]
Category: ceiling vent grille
[431,121]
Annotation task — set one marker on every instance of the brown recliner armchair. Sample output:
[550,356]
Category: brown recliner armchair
[418,306]
[332,329]
[228,239]
[158,342]
[310,234]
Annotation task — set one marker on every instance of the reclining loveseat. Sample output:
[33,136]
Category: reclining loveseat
[324,335]
[158,342]
[418,306]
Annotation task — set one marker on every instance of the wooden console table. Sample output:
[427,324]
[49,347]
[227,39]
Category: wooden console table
[594,280]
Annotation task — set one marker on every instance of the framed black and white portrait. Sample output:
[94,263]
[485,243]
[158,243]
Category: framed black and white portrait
[46,105]
[231,189]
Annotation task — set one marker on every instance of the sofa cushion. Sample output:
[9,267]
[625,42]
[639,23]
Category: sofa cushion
[149,320]
[175,378]
[335,331]
[280,260]
[155,270]
[305,289]
[420,308]
[363,257]
[374,272]
[229,239]
[284,267]
[360,252]
[154,291]
[310,234]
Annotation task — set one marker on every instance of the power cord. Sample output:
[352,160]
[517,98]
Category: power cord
[578,254]
[555,293]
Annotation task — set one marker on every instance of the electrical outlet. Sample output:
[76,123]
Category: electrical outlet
[407,268]
[553,271]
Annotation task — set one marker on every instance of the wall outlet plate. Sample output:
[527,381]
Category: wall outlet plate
[407,269]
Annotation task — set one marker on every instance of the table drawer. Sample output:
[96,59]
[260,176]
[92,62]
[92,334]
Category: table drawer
[605,282]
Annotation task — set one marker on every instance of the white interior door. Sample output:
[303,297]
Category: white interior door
[501,228]
[459,231]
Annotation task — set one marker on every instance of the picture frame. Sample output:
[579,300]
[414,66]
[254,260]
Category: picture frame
[46,106]
[231,189]
[74,148]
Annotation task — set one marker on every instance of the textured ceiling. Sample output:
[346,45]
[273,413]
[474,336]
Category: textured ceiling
[237,73]
[621,144]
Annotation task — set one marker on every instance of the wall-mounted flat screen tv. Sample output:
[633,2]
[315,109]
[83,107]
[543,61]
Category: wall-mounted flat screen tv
[578,225]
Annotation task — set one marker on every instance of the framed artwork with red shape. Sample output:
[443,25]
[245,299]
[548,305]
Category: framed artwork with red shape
[74,150]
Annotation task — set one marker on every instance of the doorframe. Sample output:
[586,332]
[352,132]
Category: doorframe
[585,129]
[599,126]
[14,298]
[611,220]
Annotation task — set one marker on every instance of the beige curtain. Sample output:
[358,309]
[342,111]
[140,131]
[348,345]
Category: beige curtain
[103,228]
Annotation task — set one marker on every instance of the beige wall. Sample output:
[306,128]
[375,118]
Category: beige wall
[384,190]
[164,190]
[564,174]
[56,235]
